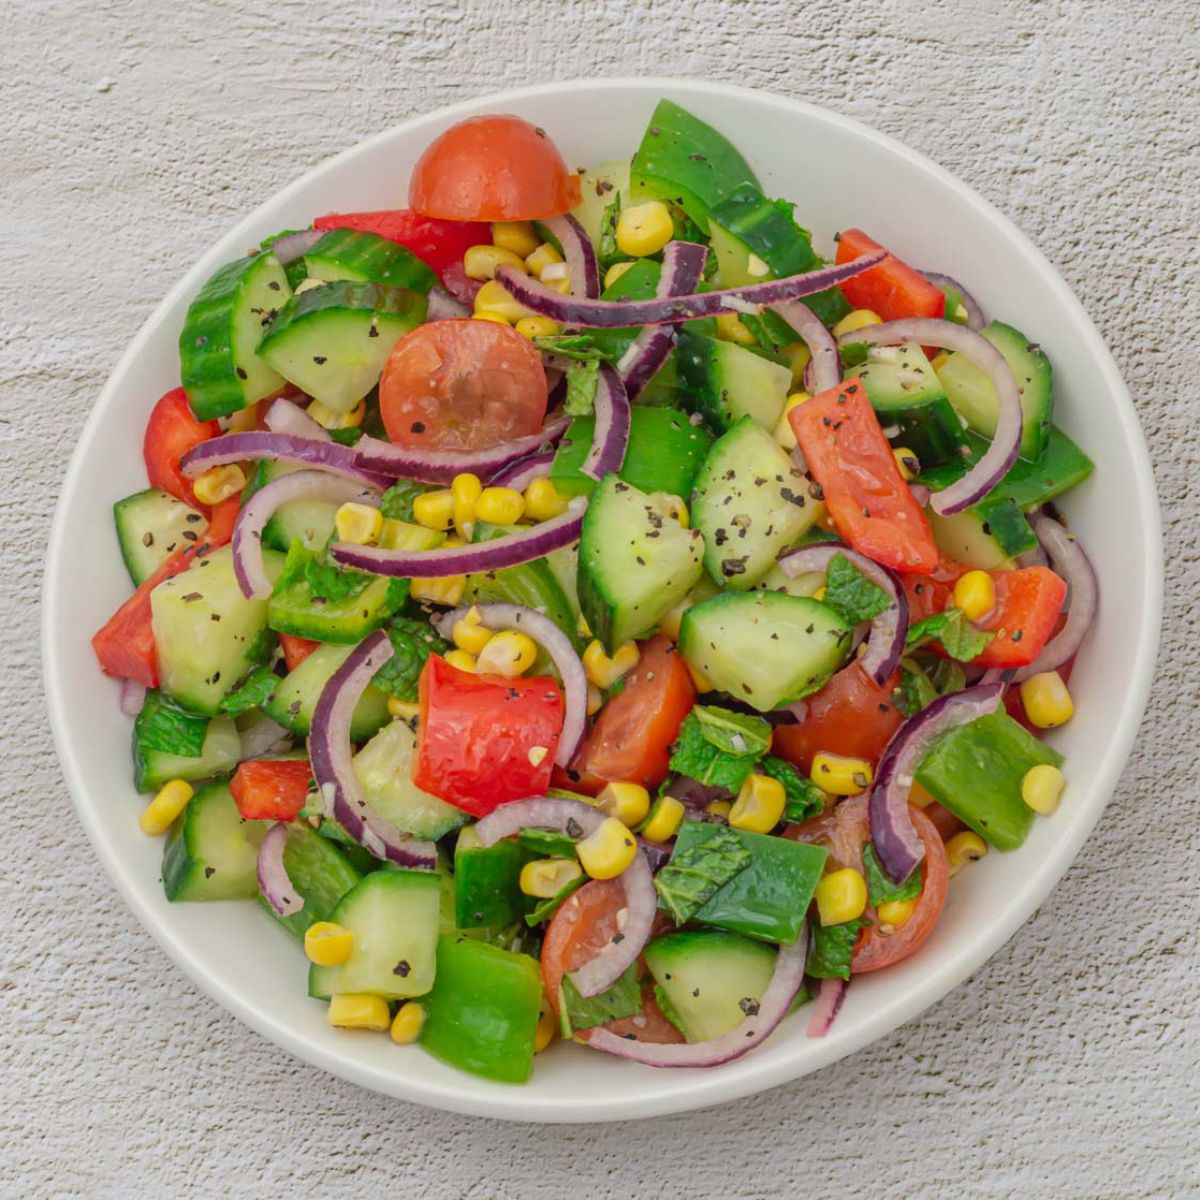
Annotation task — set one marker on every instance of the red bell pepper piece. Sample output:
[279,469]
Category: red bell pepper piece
[271,789]
[170,433]
[892,290]
[438,244]
[295,649]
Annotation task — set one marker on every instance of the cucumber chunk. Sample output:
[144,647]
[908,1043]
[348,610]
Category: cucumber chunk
[393,915]
[151,526]
[211,852]
[163,735]
[296,697]
[988,535]
[598,188]
[319,871]
[310,522]
[764,648]
[744,227]
[219,365]
[367,258]
[725,381]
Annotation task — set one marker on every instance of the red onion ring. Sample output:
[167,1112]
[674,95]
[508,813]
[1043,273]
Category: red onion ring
[1069,560]
[975,319]
[615,314]
[524,471]
[920,493]
[831,995]
[610,438]
[278,447]
[773,1006]
[295,245]
[285,417]
[331,754]
[578,253]
[641,900]
[263,737]
[273,879]
[506,551]
[885,645]
[1006,445]
[556,644]
[897,843]
[824,369]
[445,307]
[133,696]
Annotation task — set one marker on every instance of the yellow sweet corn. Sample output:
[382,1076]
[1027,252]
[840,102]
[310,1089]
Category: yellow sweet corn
[330,419]
[595,700]
[544,501]
[402,710]
[480,262]
[627,801]
[644,228]
[408,1023]
[465,491]
[841,775]
[1042,788]
[219,483]
[719,808]
[546,877]
[975,594]
[492,298]
[665,820]
[785,435]
[893,914]
[908,463]
[615,272]
[608,851]
[759,805]
[500,506]
[469,633]
[161,813]
[508,653]
[358,523]
[517,236]
[328,944]
[860,318]
[731,329]
[963,848]
[604,671]
[798,356]
[540,258]
[841,896]
[534,327]
[434,510]
[357,1010]
[461,659]
[547,1027]
[1046,701]
[444,589]
[488,314]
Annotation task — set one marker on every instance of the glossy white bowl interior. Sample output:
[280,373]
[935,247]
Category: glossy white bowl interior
[841,174]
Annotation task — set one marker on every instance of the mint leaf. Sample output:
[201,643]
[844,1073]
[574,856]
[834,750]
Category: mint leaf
[331,582]
[162,727]
[880,887]
[397,502]
[830,948]
[923,679]
[547,842]
[349,436]
[608,251]
[959,638]
[412,642]
[851,593]
[623,999]
[578,346]
[695,756]
[547,908]
[731,732]
[804,798]
[582,380]
[690,878]
[258,688]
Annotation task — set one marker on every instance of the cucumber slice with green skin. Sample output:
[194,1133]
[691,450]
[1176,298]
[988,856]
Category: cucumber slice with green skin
[725,382]
[598,188]
[207,635]
[332,341]
[487,883]
[319,872]
[750,501]
[211,852]
[755,239]
[154,763]
[664,453]
[384,768]
[975,771]
[310,522]
[393,915]
[764,648]
[989,535]
[970,388]
[712,980]
[218,360]
[911,403]
[367,258]
[685,162]
[635,563]
[296,697]
[151,527]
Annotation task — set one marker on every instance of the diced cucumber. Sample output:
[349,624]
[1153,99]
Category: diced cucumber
[309,522]
[296,697]
[207,634]
[764,648]
[384,768]
[393,915]
[755,239]
[331,341]
[320,873]
[989,535]
[211,852]
[712,980]
[598,188]
[367,258]
[218,360]
[725,381]
[151,526]
[635,563]
[750,501]
[157,745]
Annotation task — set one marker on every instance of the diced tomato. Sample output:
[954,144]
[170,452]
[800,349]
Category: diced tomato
[482,739]
[295,649]
[438,244]
[867,498]
[493,168]
[270,789]
[892,290]
[632,737]
[170,433]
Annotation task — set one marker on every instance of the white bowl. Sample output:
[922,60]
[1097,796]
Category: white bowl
[841,174]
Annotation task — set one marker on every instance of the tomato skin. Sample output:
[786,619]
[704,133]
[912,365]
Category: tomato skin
[170,433]
[462,385]
[476,733]
[270,789]
[295,649]
[892,290]
[440,245]
[493,168]
[867,498]
[632,737]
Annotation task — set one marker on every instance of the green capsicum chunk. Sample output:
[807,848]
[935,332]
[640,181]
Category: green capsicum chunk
[487,884]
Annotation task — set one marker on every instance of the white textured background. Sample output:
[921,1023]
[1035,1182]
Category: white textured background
[132,134]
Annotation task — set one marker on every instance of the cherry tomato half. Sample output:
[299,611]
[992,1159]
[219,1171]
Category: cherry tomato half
[170,433]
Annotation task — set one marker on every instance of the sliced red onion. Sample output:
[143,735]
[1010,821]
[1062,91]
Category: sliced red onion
[445,307]
[273,879]
[459,285]
[831,995]
[1006,444]
[248,563]
[885,644]
[1036,557]
[441,466]
[641,900]
[656,854]
[773,1006]
[285,417]
[615,314]
[524,471]
[262,737]
[278,447]
[295,245]
[682,270]
[557,645]
[1069,560]
[578,253]
[995,675]
[330,752]
[610,439]
[133,696]
[920,493]
[506,551]
[897,843]
[824,369]
[975,319]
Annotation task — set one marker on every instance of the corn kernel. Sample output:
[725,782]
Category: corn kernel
[542,257]
[1042,788]
[444,589]
[1046,701]
[488,315]
[500,506]
[860,318]
[819,594]
[480,262]
[595,700]
[671,506]
[907,462]
[544,501]
[671,622]
[841,896]
[798,356]
[665,820]
[465,491]
[357,1010]
[627,801]
[517,236]
[604,671]
[434,510]
[160,814]
[535,327]
[719,808]
[615,272]
[731,329]
[759,805]
[219,484]
[492,298]
[644,228]
[840,775]
[547,1027]
[940,359]
[402,710]
[408,1023]
[358,523]
[893,914]
[331,419]
[508,653]
[328,944]
[243,421]
[546,877]
[608,851]
[785,435]
[461,659]
[469,634]
[975,594]
[963,848]
[557,279]
[700,681]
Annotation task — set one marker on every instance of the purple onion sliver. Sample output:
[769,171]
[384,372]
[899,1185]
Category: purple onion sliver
[831,995]
[524,471]
[285,417]
[824,368]
[278,447]
[445,307]
[273,879]
[920,493]
[610,438]
[133,696]
[262,736]
[578,253]
[295,245]
[975,319]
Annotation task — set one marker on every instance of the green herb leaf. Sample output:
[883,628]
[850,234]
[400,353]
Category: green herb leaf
[547,908]
[412,642]
[547,842]
[959,638]
[328,581]
[804,798]
[608,251]
[582,380]
[623,999]
[578,346]
[257,689]
[690,878]
[923,678]
[162,727]
[397,502]
[349,436]
[851,593]
[731,732]
[695,756]
[880,887]
[831,947]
